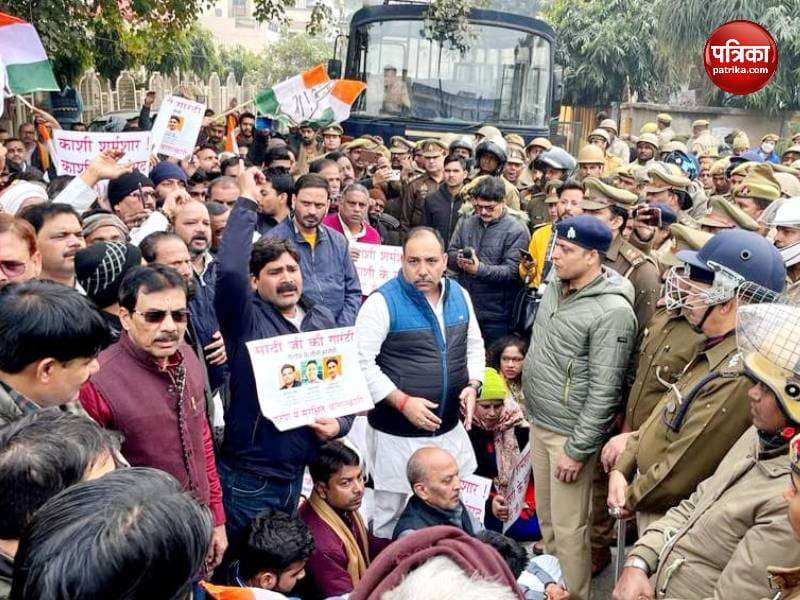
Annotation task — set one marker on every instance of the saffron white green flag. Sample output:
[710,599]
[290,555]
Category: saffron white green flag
[22,53]
[311,96]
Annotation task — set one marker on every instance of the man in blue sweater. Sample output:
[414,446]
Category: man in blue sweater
[325,262]
[259,465]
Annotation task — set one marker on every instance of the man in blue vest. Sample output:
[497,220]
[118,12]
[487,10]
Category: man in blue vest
[421,351]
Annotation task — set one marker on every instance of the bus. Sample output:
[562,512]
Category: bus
[418,88]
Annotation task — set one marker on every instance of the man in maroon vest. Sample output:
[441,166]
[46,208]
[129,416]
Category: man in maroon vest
[150,388]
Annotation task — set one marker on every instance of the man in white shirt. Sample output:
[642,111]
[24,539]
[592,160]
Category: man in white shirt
[421,351]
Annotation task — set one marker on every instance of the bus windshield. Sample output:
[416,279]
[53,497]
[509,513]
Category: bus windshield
[503,78]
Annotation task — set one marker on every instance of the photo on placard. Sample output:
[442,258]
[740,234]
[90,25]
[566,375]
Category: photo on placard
[332,367]
[290,377]
[311,371]
[175,123]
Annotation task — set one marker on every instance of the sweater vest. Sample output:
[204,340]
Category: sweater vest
[419,359]
[161,430]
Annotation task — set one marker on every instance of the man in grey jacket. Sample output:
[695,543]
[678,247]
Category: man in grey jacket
[485,252]
[580,347]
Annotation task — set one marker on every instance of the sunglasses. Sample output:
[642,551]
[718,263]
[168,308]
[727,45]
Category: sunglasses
[12,268]
[157,316]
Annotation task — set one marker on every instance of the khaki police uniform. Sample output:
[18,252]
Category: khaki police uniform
[687,435]
[622,257]
[666,346]
[417,189]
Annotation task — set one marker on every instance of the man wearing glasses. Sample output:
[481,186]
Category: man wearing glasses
[132,197]
[150,388]
[485,251]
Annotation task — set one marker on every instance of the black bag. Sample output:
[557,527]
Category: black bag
[526,304]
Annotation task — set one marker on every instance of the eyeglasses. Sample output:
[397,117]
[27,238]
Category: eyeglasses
[484,208]
[12,268]
[157,316]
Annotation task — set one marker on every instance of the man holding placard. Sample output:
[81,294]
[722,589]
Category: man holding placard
[261,466]
[418,331]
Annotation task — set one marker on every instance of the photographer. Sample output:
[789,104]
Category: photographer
[485,251]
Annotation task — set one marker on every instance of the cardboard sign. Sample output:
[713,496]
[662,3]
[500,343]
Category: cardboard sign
[376,264]
[74,150]
[302,377]
[177,126]
[474,493]
[518,485]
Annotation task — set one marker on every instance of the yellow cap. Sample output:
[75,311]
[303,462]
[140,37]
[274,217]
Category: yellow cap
[649,138]
[726,215]
[673,146]
[601,133]
[684,238]
[332,129]
[771,137]
[794,149]
[400,145]
[609,124]
[666,118]
[700,123]
[719,166]
[489,131]
[790,186]
[741,141]
[648,128]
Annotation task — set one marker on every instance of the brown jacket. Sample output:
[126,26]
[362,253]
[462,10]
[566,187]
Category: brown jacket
[718,542]
[668,461]
[666,346]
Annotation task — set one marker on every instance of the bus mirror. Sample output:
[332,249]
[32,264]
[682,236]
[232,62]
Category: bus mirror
[334,68]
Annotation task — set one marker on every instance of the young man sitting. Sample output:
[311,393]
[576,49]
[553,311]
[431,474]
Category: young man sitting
[344,547]
[271,561]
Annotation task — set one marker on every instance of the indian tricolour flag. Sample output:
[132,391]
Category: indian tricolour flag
[311,96]
[24,58]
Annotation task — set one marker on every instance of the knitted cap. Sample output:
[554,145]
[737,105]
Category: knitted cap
[167,170]
[126,184]
[101,267]
[494,387]
[103,219]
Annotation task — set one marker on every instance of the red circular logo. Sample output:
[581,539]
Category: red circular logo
[740,57]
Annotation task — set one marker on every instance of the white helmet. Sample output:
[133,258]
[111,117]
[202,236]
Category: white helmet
[785,213]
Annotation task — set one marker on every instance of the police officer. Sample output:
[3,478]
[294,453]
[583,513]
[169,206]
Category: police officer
[462,146]
[725,215]
[613,206]
[491,155]
[591,162]
[758,190]
[515,172]
[536,146]
[616,147]
[646,149]
[601,139]
[670,189]
[331,137]
[720,541]
[706,411]
[665,132]
[415,191]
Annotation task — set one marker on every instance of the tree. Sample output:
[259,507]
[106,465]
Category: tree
[292,54]
[239,61]
[608,47]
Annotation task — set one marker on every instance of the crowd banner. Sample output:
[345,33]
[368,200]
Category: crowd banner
[177,126]
[474,494]
[74,150]
[518,485]
[302,377]
[376,265]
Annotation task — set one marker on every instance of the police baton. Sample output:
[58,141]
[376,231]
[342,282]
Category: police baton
[622,525]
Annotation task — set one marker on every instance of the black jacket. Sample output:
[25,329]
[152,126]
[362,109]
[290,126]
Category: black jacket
[418,515]
[441,212]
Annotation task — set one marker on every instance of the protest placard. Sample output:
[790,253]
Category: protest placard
[518,485]
[474,493]
[301,377]
[376,265]
[177,126]
[74,150]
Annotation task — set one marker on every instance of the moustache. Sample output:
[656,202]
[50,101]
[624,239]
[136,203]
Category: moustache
[167,337]
[287,287]
[200,236]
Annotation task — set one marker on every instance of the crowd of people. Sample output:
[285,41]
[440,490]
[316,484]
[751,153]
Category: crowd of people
[627,314]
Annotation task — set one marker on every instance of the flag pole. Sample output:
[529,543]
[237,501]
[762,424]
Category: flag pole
[42,112]
[233,110]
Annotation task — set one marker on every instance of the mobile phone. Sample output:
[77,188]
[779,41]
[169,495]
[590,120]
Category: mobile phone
[263,123]
[394,175]
[649,216]
[525,254]
[468,253]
